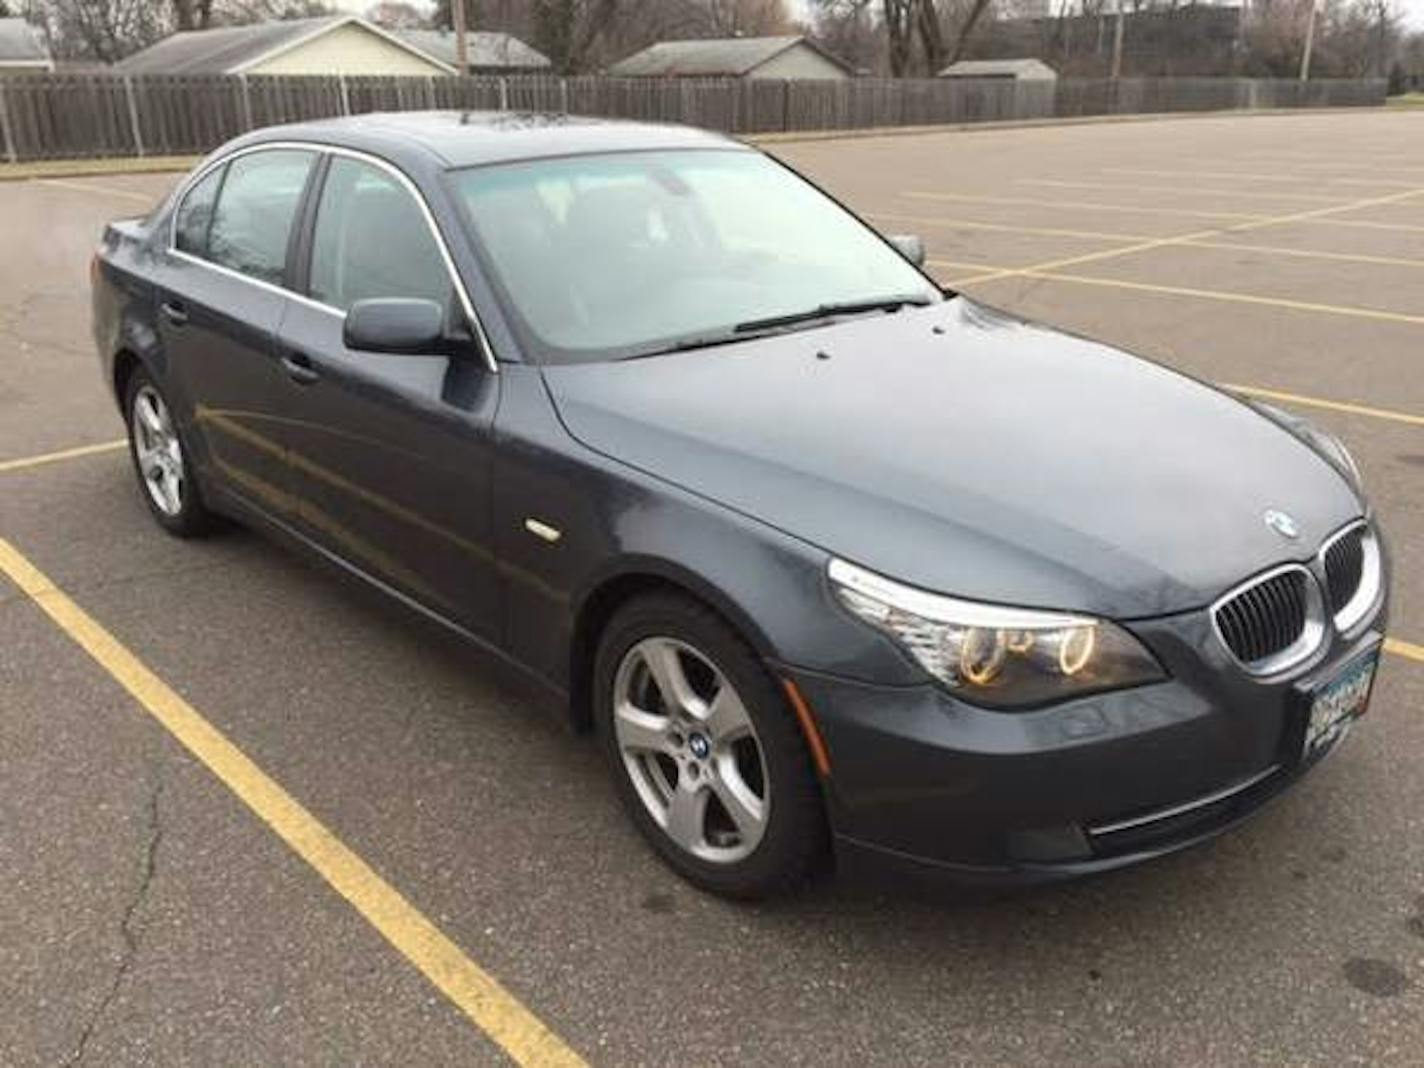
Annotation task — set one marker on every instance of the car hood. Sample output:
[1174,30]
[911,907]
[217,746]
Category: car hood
[961,450]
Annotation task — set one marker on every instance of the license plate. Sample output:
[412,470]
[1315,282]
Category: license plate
[1337,703]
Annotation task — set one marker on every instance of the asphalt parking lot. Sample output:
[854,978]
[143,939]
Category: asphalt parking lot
[385,857]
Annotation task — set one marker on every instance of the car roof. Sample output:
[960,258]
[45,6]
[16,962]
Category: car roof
[469,138]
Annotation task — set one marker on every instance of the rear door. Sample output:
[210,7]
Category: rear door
[391,454]
[221,299]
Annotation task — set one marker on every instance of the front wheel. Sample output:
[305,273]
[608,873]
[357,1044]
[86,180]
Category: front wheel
[707,758]
[160,460]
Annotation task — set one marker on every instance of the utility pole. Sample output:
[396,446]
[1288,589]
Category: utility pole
[1309,44]
[462,44]
[1117,44]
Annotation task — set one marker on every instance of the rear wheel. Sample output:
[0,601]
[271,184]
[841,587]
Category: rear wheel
[708,760]
[161,460]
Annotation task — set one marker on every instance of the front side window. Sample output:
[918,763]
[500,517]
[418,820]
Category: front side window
[195,214]
[252,222]
[371,241]
[627,254]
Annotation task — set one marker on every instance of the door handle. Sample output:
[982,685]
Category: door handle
[299,368]
[174,312]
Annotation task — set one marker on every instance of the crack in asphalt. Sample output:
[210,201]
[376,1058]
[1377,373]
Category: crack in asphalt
[130,935]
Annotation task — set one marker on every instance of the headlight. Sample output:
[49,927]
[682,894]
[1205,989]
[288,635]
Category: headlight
[1327,445]
[993,655]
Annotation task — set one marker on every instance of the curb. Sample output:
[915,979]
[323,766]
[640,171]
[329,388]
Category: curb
[79,168]
[1029,124]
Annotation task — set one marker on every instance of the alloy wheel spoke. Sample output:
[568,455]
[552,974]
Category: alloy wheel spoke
[687,813]
[664,662]
[727,717]
[169,487]
[147,410]
[746,809]
[641,731]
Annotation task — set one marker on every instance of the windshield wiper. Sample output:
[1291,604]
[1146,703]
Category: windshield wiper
[728,337]
[826,311]
[689,343]
[771,325]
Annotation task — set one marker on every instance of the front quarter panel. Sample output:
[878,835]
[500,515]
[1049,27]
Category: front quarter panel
[614,521]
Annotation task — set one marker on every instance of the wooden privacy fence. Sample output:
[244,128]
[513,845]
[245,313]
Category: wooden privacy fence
[61,116]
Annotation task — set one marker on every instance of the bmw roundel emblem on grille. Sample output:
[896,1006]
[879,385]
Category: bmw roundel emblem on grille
[1281,523]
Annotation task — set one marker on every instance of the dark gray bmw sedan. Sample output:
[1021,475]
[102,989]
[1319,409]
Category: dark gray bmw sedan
[837,564]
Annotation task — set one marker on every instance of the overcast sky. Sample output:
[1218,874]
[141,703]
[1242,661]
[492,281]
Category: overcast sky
[1413,10]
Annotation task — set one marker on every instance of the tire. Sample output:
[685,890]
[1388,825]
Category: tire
[742,753]
[166,480]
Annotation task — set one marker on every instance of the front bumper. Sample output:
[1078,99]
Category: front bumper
[924,783]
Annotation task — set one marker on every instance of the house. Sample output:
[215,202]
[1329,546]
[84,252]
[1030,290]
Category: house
[1019,70]
[733,57]
[22,48]
[486,53]
[335,44]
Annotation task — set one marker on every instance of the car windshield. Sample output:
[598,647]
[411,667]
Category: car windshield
[622,255]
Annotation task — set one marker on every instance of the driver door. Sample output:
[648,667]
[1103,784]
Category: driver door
[390,454]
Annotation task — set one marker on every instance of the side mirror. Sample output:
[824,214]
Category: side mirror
[909,246]
[395,324]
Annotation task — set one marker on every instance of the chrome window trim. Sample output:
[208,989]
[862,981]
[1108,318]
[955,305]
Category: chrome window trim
[466,305]
[258,282]
[1358,608]
[1187,806]
[1312,634]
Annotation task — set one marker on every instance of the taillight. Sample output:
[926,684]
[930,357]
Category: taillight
[94,269]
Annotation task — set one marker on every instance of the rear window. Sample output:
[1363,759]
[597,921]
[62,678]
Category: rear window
[256,207]
[195,214]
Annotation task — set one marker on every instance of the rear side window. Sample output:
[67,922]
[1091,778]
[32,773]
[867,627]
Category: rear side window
[196,213]
[253,219]
[371,240]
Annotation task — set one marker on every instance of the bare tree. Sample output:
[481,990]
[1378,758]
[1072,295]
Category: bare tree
[102,30]
[927,22]
[568,31]
[847,28]
[397,15]
[898,19]
[966,26]
[192,14]
[243,12]
[746,18]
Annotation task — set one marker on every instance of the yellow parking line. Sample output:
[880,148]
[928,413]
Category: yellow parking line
[1094,206]
[1277,250]
[1223,295]
[103,190]
[63,454]
[1330,405]
[1000,273]
[1252,177]
[1185,239]
[975,224]
[1174,190]
[477,994]
[1258,223]
[1351,168]
[1251,221]
[1365,224]
[1406,649]
[957,263]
